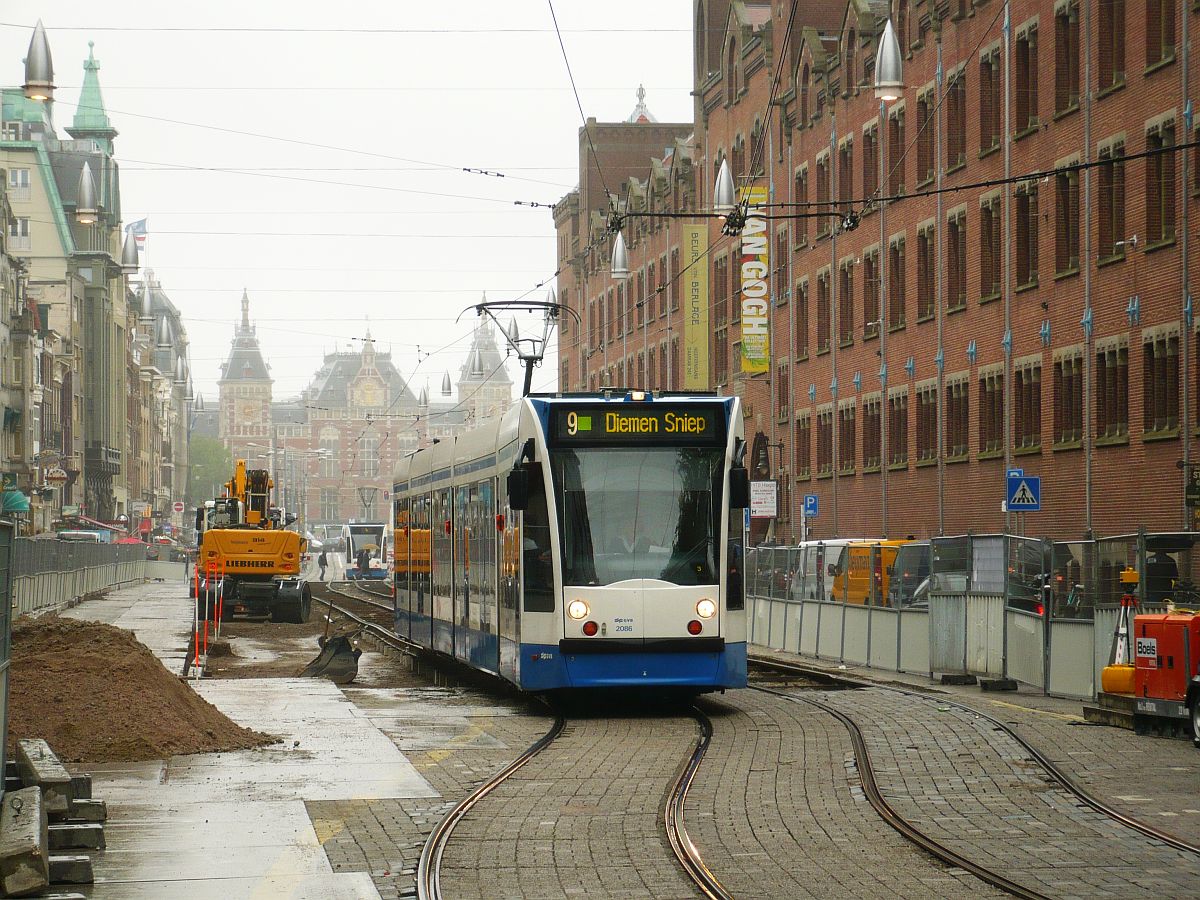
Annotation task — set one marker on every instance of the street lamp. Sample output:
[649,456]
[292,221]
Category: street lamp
[85,203]
[39,67]
[889,71]
[619,266]
[129,255]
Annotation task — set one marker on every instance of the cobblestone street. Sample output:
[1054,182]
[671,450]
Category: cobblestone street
[778,811]
[582,819]
[967,784]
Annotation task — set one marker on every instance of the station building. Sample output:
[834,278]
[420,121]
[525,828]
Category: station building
[957,286]
[331,449]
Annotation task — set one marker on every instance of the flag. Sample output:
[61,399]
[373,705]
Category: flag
[139,230]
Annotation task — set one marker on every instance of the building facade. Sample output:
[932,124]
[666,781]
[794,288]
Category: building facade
[79,408]
[965,281]
[332,449]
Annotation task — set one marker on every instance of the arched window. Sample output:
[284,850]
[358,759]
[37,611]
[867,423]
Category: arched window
[731,80]
[805,86]
[737,159]
[757,156]
[851,81]
[330,465]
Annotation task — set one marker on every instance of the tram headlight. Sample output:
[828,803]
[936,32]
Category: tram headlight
[577,609]
[706,609]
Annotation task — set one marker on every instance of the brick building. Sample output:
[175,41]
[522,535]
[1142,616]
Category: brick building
[958,285]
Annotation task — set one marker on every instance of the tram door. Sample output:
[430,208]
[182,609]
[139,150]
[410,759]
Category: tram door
[509,589]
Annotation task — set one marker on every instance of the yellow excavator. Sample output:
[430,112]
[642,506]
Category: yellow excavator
[248,555]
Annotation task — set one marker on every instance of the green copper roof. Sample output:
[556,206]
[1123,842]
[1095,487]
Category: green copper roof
[90,117]
[18,108]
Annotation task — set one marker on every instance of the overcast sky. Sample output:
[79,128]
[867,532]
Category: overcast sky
[380,221]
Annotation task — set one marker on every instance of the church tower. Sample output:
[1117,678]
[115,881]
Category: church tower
[245,394]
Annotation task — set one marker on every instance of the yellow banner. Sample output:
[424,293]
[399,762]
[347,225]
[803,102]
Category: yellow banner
[755,292]
[695,308]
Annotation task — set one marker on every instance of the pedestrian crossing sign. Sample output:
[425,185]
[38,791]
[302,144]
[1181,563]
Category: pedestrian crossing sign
[1024,493]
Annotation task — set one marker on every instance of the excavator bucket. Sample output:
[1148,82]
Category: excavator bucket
[337,661]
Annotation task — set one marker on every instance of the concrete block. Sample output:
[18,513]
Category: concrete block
[997,684]
[81,787]
[24,858]
[88,811]
[954,678]
[77,836]
[71,870]
[39,767]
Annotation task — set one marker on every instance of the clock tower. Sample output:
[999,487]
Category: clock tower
[245,392]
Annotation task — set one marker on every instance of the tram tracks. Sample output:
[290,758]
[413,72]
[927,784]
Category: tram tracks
[686,852]
[908,829]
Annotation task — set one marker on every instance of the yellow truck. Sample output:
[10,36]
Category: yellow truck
[247,555]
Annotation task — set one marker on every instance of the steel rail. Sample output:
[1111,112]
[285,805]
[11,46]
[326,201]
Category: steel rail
[1064,780]
[685,850]
[429,885]
[380,632]
[875,796]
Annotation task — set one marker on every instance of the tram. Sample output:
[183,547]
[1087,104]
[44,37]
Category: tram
[581,541]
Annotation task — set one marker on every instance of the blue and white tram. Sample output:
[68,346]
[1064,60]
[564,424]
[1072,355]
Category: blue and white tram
[583,541]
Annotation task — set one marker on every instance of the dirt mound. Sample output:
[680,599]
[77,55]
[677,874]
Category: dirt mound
[96,694]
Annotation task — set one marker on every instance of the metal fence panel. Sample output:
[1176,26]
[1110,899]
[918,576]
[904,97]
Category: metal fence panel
[855,638]
[1026,647]
[1072,664]
[913,636]
[947,625]
[985,634]
[884,623]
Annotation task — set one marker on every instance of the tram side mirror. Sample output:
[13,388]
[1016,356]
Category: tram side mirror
[289,519]
[739,488]
[518,488]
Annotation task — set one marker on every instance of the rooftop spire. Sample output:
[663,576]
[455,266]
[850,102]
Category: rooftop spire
[245,311]
[91,119]
[641,113]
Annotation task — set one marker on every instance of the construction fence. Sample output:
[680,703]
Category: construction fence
[50,574]
[1039,612]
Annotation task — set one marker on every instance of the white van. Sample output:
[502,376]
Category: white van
[818,563]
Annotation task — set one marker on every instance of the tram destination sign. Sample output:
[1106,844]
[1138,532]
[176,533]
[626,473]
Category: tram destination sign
[638,425]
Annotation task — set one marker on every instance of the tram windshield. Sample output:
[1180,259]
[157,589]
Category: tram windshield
[639,513]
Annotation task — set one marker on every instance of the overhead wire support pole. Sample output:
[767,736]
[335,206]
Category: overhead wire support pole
[531,356]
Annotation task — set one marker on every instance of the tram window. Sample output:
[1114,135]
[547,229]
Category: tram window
[536,556]
[639,513]
[735,564]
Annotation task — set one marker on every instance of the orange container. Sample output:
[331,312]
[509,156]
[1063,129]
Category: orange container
[1166,652]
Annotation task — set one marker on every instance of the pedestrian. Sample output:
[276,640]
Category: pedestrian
[323,562]
[364,562]
[1161,573]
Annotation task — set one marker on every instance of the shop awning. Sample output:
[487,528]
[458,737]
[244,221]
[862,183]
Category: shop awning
[14,501]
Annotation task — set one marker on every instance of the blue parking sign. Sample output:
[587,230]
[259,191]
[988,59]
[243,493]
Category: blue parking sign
[812,505]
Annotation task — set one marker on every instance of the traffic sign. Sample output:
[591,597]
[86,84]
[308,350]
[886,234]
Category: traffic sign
[1015,473]
[1024,493]
[762,500]
[177,506]
[812,505]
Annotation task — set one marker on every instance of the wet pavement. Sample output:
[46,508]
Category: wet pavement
[235,825]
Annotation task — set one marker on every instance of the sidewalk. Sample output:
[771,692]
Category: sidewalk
[234,825]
